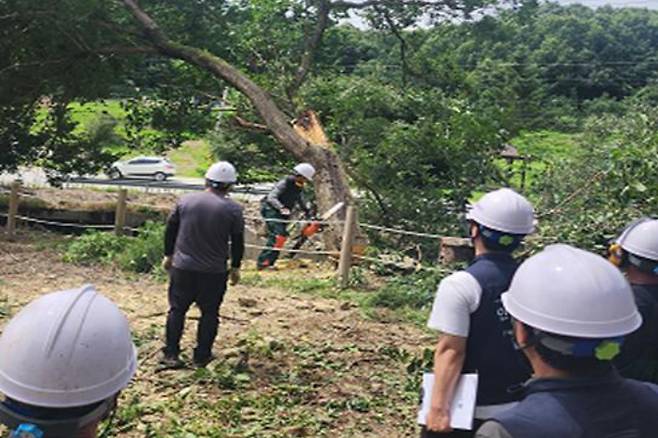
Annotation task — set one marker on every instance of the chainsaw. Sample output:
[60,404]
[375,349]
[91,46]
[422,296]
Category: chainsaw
[313,227]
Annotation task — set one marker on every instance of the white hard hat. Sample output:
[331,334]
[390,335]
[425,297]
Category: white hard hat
[641,238]
[66,349]
[571,292]
[306,170]
[222,172]
[503,210]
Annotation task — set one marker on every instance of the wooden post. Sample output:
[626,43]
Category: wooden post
[120,214]
[345,262]
[13,209]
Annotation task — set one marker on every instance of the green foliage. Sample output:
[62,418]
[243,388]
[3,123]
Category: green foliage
[415,153]
[415,291]
[587,199]
[192,159]
[136,254]
[257,158]
[144,252]
[95,246]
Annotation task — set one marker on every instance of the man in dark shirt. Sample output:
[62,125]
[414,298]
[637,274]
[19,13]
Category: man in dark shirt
[636,253]
[277,207]
[196,251]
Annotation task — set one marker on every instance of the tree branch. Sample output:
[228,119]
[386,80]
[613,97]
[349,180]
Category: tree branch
[251,126]
[150,27]
[343,4]
[311,46]
[273,117]
[403,43]
[126,50]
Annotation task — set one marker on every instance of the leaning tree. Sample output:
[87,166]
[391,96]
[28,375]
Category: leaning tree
[54,52]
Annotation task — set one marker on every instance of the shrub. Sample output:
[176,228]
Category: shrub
[415,291]
[94,246]
[144,252]
[137,254]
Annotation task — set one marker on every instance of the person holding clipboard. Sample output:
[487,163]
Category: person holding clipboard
[475,328]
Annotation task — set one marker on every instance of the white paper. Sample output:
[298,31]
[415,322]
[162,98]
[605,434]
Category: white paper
[462,409]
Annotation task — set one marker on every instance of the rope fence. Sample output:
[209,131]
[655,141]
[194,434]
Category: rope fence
[61,224]
[293,221]
[402,232]
[346,255]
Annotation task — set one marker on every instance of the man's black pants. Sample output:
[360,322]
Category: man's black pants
[207,291]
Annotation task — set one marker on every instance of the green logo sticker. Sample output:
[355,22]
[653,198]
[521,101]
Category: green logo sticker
[506,240]
[607,350]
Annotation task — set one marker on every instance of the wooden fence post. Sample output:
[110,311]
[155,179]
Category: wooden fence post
[345,262]
[13,209]
[120,214]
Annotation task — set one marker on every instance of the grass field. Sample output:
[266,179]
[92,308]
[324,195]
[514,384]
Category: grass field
[192,158]
[544,149]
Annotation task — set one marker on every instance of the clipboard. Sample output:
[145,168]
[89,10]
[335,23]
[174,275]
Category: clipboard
[462,409]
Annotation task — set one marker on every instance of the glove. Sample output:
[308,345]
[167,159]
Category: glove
[234,276]
[285,212]
[167,263]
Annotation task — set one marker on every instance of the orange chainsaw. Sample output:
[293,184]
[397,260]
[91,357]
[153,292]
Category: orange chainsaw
[313,227]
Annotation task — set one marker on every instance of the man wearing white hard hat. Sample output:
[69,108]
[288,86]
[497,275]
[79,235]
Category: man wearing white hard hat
[64,359]
[636,252]
[277,207]
[571,311]
[475,329]
[197,238]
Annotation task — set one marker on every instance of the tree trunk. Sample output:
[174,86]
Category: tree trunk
[331,184]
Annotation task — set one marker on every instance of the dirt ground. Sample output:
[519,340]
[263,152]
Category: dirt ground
[289,364]
[89,199]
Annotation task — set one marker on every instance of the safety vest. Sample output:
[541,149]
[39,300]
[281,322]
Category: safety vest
[639,354]
[607,406]
[490,349]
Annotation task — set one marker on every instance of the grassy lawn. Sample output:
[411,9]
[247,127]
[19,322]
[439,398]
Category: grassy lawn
[84,113]
[544,148]
[192,158]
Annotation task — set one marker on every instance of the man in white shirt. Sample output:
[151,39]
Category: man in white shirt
[475,329]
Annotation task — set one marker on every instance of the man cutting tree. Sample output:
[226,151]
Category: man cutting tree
[277,207]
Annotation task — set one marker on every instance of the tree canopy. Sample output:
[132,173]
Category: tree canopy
[417,104]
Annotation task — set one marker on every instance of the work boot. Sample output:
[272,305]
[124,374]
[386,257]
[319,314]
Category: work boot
[201,362]
[171,362]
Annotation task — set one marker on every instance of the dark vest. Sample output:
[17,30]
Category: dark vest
[639,354]
[489,349]
[604,407]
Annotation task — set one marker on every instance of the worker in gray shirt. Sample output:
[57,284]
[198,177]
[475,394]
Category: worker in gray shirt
[197,238]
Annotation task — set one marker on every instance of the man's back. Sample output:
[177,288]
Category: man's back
[608,406]
[490,349]
[206,221]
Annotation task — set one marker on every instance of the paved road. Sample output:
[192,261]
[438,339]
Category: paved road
[36,177]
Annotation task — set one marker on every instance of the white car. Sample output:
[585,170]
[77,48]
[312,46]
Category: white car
[155,167]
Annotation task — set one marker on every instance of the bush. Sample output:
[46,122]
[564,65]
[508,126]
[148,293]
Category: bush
[136,254]
[586,200]
[415,291]
[94,246]
[143,253]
